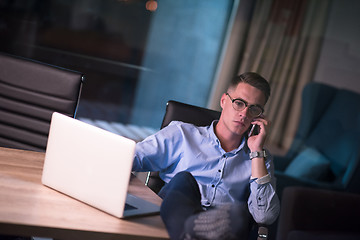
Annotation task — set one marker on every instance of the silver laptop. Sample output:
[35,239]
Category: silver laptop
[93,166]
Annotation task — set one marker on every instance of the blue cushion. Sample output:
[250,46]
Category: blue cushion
[309,164]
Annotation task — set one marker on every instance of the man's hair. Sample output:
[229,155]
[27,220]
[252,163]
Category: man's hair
[254,80]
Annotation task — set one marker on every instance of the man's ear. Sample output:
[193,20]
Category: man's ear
[222,100]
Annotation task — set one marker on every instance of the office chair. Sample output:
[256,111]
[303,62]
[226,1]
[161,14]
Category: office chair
[177,111]
[30,91]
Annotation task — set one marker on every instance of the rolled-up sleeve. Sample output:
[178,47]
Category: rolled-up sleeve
[264,204]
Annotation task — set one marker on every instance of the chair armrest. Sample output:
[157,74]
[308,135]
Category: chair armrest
[306,209]
[154,182]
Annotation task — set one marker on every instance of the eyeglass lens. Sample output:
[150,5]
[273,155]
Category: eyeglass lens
[253,109]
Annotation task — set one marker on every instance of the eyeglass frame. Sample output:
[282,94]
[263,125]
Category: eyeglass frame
[246,104]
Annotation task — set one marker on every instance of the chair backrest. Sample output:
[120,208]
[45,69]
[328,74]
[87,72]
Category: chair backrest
[337,135]
[316,98]
[330,123]
[177,111]
[30,91]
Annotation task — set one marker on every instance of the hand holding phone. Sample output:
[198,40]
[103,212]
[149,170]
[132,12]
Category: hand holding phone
[257,133]
[254,130]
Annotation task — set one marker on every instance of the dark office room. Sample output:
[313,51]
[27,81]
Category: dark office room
[131,59]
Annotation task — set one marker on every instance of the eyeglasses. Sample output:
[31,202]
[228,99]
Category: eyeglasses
[240,104]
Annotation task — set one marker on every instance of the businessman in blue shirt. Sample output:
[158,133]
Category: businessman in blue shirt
[220,176]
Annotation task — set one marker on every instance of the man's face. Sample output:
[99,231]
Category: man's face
[238,122]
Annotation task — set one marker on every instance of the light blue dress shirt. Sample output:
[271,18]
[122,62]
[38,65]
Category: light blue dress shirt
[223,177]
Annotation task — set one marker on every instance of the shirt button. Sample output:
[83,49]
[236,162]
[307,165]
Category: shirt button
[219,170]
[212,185]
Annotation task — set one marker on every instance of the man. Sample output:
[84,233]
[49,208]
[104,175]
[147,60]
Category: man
[216,175]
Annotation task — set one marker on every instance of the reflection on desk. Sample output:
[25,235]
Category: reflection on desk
[28,208]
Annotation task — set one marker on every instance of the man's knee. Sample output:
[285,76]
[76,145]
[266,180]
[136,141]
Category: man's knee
[183,182]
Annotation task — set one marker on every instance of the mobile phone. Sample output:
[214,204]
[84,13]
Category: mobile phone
[254,130]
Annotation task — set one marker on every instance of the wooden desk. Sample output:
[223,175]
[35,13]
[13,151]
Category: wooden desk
[29,208]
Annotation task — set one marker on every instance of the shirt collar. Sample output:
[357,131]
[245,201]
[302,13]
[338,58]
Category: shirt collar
[242,146]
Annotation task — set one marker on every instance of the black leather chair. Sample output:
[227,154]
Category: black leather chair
[30,91]
[177,111]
